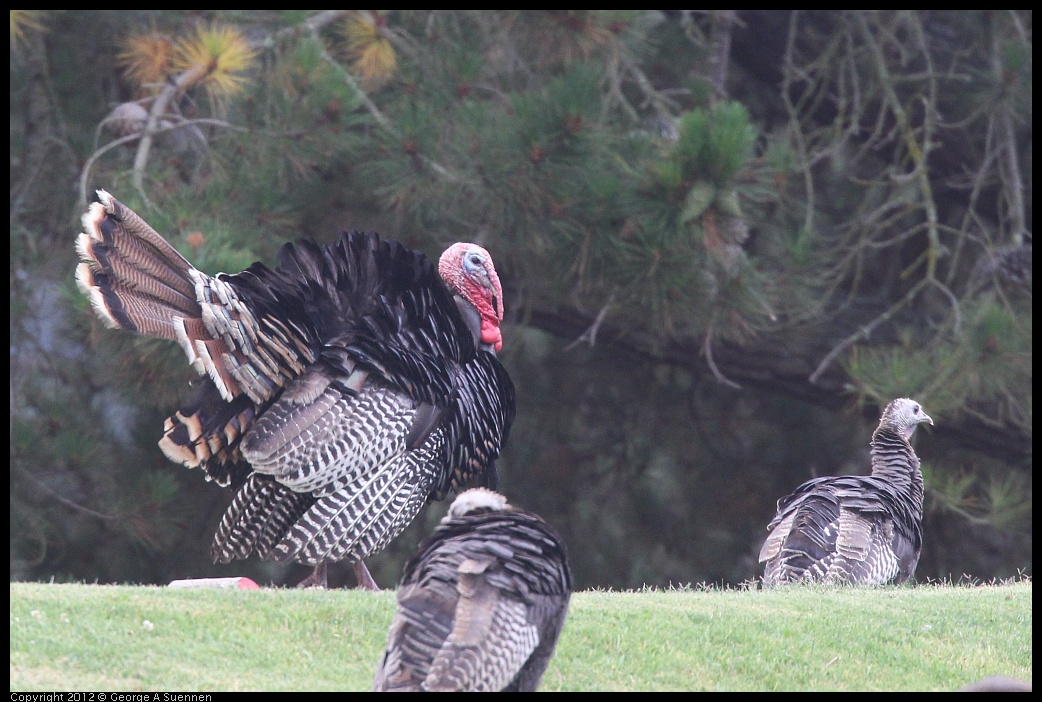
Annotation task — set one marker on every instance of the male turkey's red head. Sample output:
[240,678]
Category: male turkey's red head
[468,270]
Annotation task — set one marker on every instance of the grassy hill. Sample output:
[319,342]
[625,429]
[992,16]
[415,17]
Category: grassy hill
[124,638]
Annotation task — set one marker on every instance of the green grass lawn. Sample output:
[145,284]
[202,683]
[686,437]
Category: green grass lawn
[123,639]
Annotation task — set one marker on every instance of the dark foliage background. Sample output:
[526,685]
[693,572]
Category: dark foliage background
[727,239]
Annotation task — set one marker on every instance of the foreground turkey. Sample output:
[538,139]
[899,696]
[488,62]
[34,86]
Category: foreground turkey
[348,385]
[480,604]
[855,529]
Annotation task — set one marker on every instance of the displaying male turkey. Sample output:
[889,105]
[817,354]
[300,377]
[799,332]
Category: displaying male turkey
[349,385]
[855,529]
[480,604]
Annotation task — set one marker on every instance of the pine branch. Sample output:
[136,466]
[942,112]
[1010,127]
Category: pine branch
[176,86]
[865,331]
[179,84]
[720,50]
[707,351]
[64,500]
[101,151]
[381,118]
[590,335]
[915,150]
[309,26]
[778,363]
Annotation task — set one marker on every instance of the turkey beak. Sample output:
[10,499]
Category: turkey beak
[926,418]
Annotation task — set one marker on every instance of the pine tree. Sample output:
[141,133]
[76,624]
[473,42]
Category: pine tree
[728,239]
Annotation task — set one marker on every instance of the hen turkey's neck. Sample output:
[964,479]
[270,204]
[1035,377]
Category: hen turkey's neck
[894,460]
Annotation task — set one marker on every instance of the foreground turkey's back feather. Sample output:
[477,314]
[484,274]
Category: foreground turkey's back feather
[480,604]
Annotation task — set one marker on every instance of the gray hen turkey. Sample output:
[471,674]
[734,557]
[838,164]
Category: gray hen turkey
[349,385]
[855,529]
[480,604]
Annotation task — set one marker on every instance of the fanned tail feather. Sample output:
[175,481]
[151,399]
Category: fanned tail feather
[134,279]
[137,281]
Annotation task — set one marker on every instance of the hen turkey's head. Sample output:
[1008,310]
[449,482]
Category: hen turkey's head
[903,416]
[468,270]
[476,499]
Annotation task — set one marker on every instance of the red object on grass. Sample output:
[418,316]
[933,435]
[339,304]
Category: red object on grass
[216,583]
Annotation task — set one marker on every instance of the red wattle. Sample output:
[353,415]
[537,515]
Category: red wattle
[490,334]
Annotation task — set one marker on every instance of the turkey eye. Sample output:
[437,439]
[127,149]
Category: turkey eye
[916,410]
[475,259]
